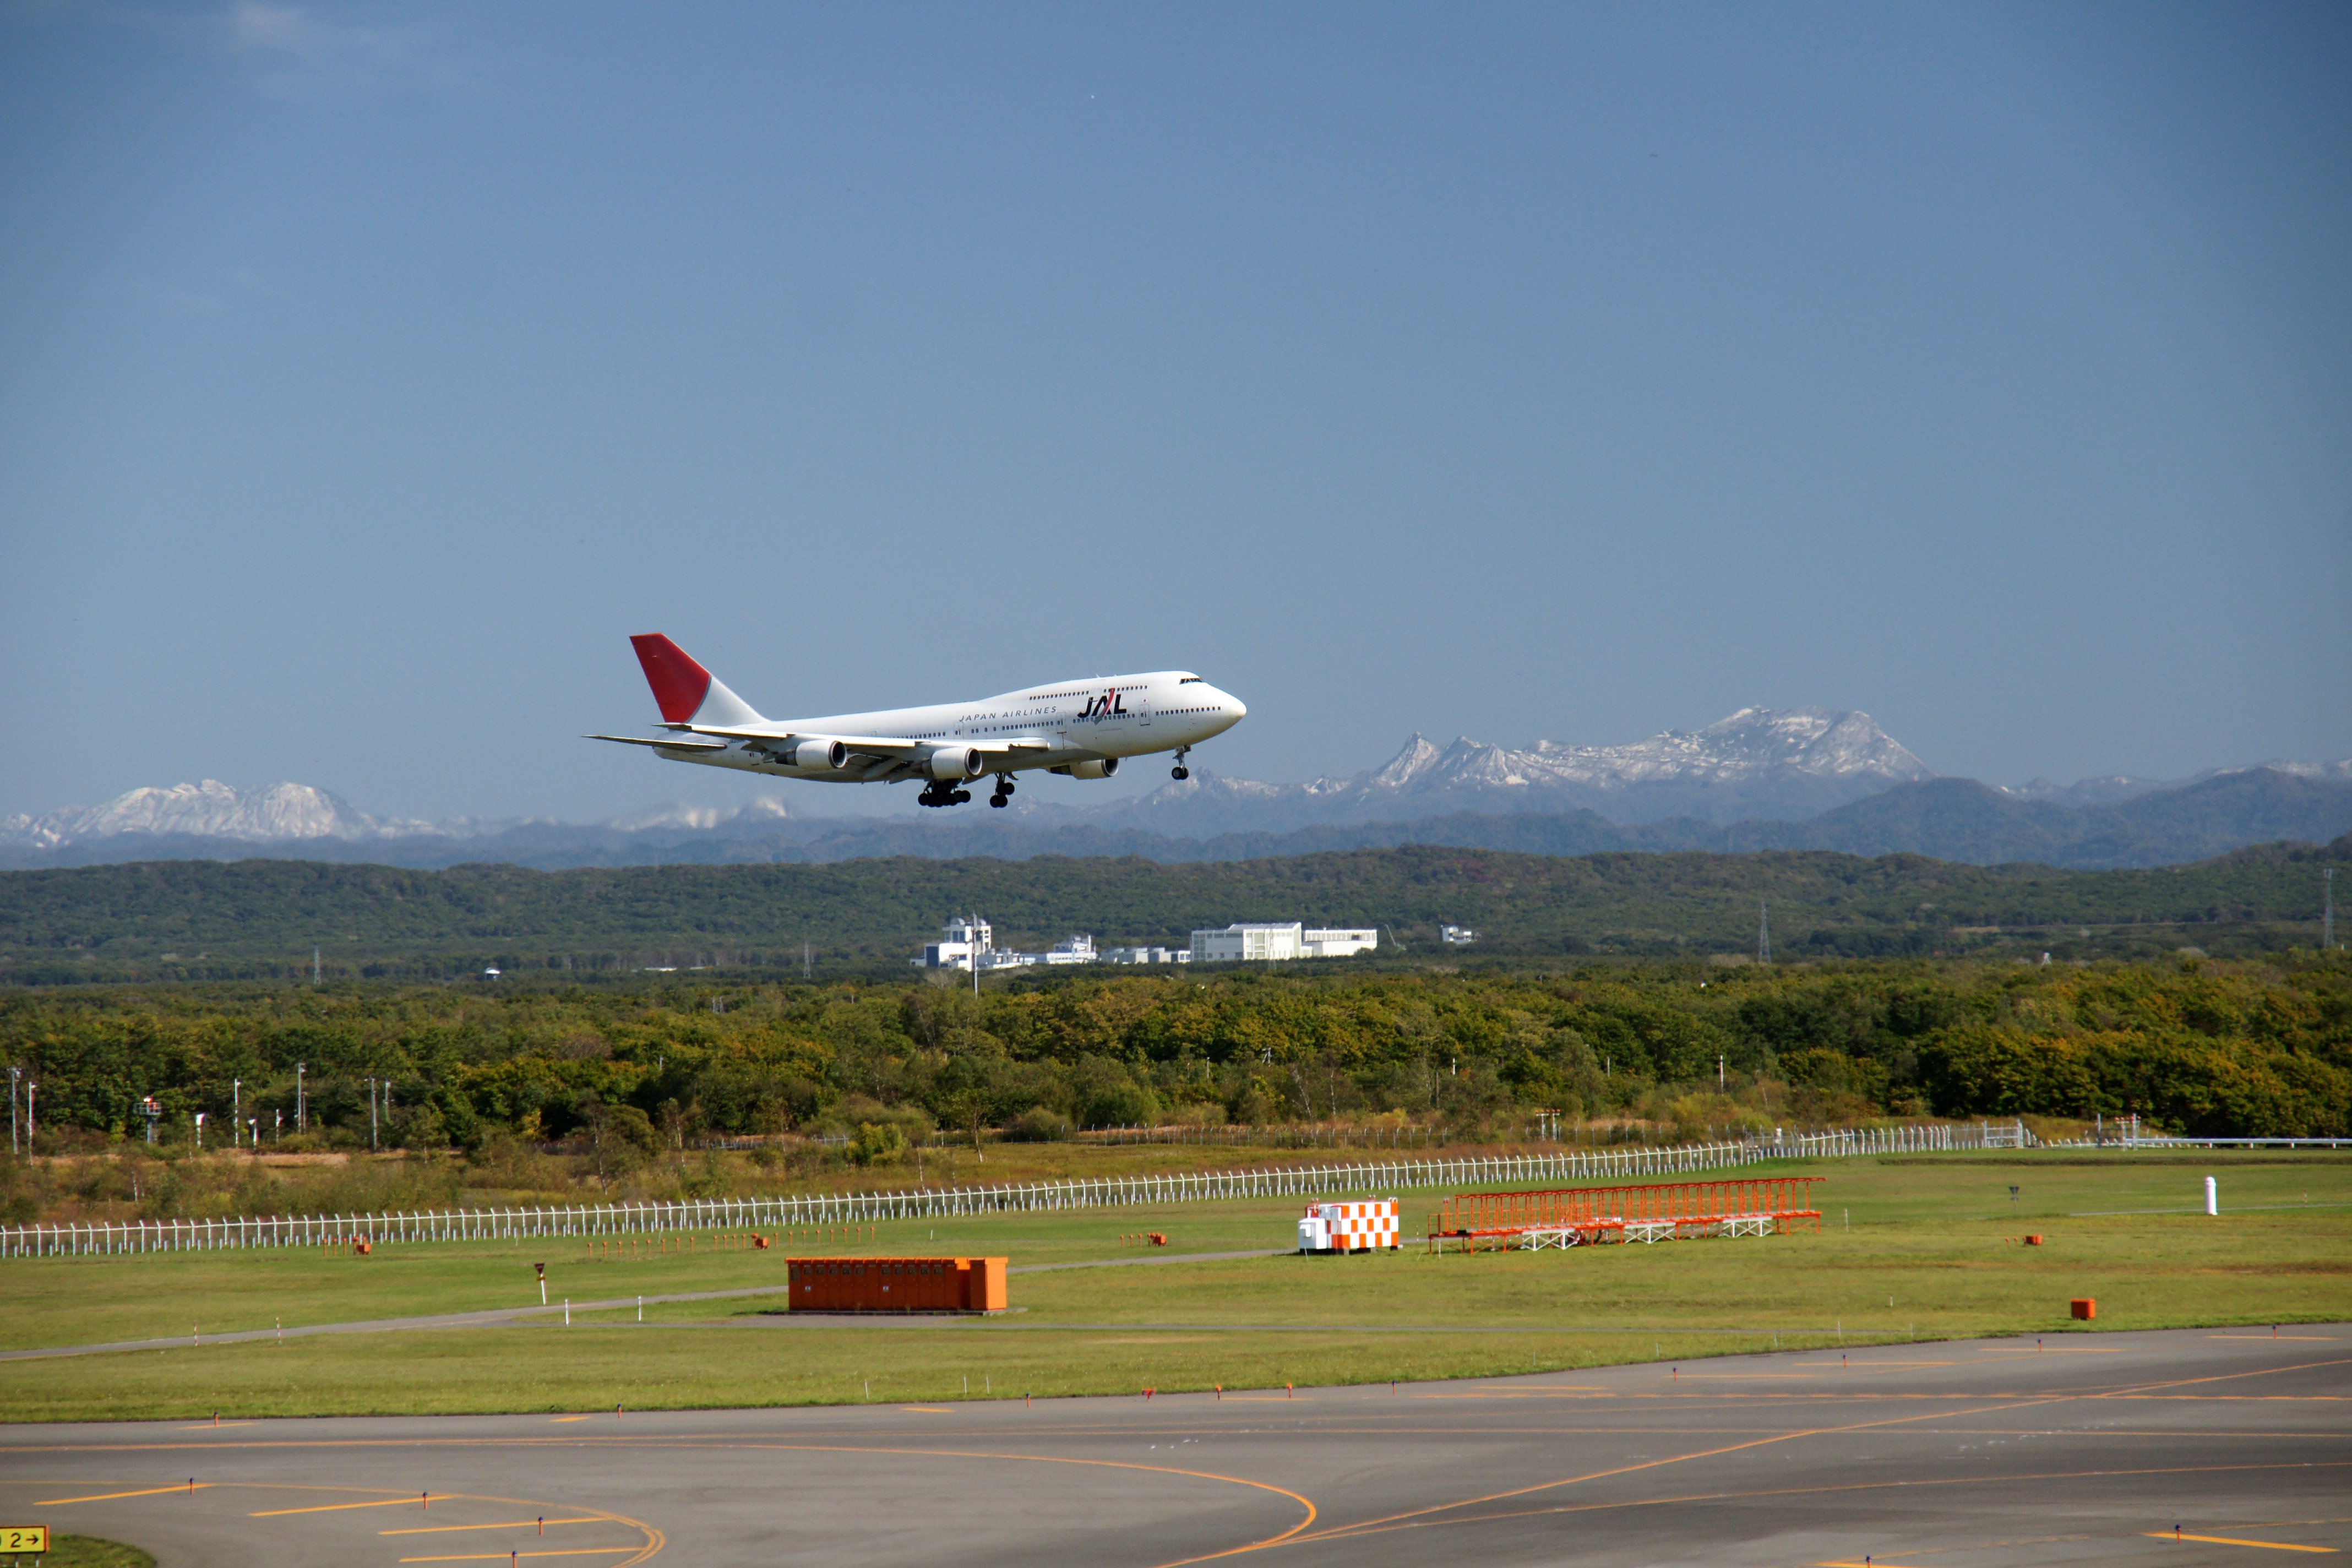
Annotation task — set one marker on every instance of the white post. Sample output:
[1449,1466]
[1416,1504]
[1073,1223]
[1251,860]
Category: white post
[2212,1197]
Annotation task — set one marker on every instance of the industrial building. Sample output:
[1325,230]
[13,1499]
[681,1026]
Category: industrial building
[969,941]
[1267,944]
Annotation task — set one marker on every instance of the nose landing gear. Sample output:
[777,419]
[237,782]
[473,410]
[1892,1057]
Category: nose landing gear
[1180,770]
[1004,795]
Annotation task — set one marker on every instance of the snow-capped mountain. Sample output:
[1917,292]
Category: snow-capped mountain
[2115,788]
[760,810]
[1787,763]
[302,814]
[279,814]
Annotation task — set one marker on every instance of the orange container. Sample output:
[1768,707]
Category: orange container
[895,1284]
[2085,1309]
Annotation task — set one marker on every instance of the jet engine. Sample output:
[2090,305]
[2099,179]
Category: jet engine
[951,762]
[820,756]
[1097,768]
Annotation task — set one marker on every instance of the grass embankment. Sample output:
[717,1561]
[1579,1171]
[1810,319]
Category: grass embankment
[88,1551]
[1912,1246]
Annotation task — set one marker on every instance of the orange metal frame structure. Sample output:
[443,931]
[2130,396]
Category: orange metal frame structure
[1583,1216]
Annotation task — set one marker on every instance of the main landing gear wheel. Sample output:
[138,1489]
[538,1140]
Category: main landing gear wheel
[1004,795]
[1180,770]
[963,795]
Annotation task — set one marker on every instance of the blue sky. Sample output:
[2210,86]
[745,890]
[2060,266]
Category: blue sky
[370,372]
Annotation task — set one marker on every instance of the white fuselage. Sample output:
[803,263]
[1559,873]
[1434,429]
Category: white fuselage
[1059,725]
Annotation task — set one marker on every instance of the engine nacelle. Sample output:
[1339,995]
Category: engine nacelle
[949,763]
[1097,768]
[820,756]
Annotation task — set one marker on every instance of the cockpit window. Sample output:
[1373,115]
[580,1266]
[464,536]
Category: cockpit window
[1187,680]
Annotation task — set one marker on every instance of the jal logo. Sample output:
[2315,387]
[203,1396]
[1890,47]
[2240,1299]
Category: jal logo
[1109,705]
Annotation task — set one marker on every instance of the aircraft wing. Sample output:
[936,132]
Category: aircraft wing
[872,745]
[665,745]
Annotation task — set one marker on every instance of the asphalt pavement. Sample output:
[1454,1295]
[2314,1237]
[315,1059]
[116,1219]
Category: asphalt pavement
[2083,1448]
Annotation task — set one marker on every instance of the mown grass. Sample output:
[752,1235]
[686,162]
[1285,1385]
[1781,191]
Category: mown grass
[1912,1247]
[88,1551]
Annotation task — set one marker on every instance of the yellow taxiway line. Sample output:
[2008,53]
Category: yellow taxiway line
[109,1497]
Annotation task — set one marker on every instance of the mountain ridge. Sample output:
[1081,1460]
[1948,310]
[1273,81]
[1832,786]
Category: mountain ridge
[1799,778]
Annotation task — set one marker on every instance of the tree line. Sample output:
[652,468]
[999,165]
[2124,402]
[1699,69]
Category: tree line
[2192,1046]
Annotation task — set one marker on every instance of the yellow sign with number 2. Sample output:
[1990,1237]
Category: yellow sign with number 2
[24,1538]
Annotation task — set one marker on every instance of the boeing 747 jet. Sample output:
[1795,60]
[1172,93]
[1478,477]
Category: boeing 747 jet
[1079,728]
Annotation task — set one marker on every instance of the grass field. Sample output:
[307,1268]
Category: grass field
[1912,1246]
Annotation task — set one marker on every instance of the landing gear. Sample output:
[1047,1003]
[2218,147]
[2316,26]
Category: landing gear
[1004,795]
[938,794]
[1180,770]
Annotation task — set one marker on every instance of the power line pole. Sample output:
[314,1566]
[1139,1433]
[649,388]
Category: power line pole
[301,1121]
[1763,931]
[14,1074]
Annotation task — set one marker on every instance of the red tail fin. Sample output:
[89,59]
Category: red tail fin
[679,684]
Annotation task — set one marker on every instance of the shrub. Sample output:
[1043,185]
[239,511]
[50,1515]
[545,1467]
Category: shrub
[1038,1124]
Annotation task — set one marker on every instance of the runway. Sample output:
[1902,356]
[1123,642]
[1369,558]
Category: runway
[1982,1454]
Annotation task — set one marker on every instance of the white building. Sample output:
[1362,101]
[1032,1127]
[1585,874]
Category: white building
[1245,944]
[1341,942]
[1148,956]
[969,941]
[1456,936]
[966,936]
[1241,944]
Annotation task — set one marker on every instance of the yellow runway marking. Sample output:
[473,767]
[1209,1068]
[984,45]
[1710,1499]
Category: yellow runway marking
[492,1557]
[2233,1540]
[559,1418]
[109,1497]
[2146,1389]
[1370,1526]
[1349,1532]
[926,1410]
[767,1444]
[338,1506]
[510,1524]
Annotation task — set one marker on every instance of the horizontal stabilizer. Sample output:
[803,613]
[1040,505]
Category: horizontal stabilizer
[665,745]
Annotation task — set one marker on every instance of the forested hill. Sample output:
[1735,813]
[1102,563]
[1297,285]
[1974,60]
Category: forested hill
[196,919]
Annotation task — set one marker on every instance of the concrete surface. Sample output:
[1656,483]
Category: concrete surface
[1987,1454]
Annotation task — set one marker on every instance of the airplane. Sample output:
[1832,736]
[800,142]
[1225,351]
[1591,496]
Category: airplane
[1081,729]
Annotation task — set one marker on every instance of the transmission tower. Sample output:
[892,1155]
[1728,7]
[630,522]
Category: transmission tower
[1763,931]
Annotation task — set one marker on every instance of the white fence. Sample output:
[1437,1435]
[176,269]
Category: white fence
[923,1203]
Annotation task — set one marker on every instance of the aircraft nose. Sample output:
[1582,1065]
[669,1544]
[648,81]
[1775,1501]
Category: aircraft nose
[1240,708]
